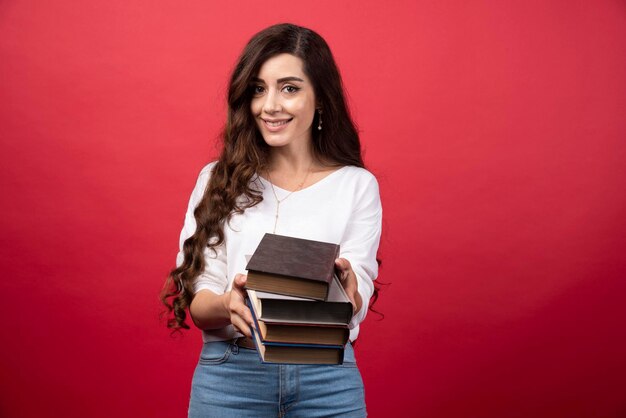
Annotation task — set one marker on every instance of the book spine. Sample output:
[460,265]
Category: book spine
[303,345]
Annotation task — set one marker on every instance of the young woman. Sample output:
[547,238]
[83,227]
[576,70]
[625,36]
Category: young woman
[291,165]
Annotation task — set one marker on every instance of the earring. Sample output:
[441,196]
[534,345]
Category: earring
[319,125]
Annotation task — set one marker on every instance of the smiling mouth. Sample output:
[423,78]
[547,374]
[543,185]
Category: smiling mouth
[277,123]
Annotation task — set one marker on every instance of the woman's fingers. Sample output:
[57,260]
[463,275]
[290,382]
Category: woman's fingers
[241,325]
[346,274]
[240,315]
[240,282]
[348,280]
[241,318]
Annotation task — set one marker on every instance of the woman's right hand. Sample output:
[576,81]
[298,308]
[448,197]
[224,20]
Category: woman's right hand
[240,315]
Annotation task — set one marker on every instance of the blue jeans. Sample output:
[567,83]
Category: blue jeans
[230,381]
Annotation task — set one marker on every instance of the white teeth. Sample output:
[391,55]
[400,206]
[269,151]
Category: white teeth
[274,124]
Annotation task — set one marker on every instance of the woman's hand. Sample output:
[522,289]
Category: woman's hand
[348,280]
[240,315]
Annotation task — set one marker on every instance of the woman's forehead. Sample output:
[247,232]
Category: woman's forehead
[281,66]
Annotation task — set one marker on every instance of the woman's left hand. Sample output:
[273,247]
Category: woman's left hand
[347,277]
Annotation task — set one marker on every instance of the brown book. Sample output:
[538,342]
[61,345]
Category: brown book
[292,266]
[337,310]
[297,353]
[302,334]
[281,319]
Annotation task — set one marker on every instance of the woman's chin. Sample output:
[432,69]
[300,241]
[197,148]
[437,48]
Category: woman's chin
[274,141]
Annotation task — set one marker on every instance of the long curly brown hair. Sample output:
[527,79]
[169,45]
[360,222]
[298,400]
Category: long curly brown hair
[245,153]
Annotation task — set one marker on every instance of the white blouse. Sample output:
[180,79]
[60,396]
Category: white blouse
[342,208]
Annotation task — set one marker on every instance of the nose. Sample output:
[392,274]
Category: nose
[271,103]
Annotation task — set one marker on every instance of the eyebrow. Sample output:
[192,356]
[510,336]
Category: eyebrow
[280,80]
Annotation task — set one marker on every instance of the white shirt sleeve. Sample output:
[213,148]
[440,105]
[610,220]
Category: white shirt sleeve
[360,242]
[214,276]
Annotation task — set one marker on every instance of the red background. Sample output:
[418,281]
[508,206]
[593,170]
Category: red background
[496,129]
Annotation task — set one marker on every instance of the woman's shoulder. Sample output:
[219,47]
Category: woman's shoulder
[203,180]
[358,175]
[207,169]
[358,171]
[362,186]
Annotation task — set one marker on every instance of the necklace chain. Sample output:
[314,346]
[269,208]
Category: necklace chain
[279,201]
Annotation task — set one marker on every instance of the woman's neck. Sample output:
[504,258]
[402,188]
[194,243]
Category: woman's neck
[290,161]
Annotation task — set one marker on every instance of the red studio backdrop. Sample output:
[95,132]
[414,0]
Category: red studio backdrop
[497,132]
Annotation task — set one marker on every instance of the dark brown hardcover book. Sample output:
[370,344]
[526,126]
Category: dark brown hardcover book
[337,310]
[328,331]
[302,334]
[297,353]
[292,266]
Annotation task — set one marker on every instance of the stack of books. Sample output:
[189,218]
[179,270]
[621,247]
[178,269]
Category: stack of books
[300,309]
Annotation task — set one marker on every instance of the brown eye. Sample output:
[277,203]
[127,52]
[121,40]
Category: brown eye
[290,89]
[256,90]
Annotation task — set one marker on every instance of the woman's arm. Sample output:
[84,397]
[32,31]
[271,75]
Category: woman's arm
[212,307]
[212,311]
[359,246]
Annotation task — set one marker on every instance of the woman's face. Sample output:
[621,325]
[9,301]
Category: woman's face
[283,102]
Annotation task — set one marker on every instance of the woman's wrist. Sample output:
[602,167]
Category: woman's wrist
[358,302]
[226,303]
